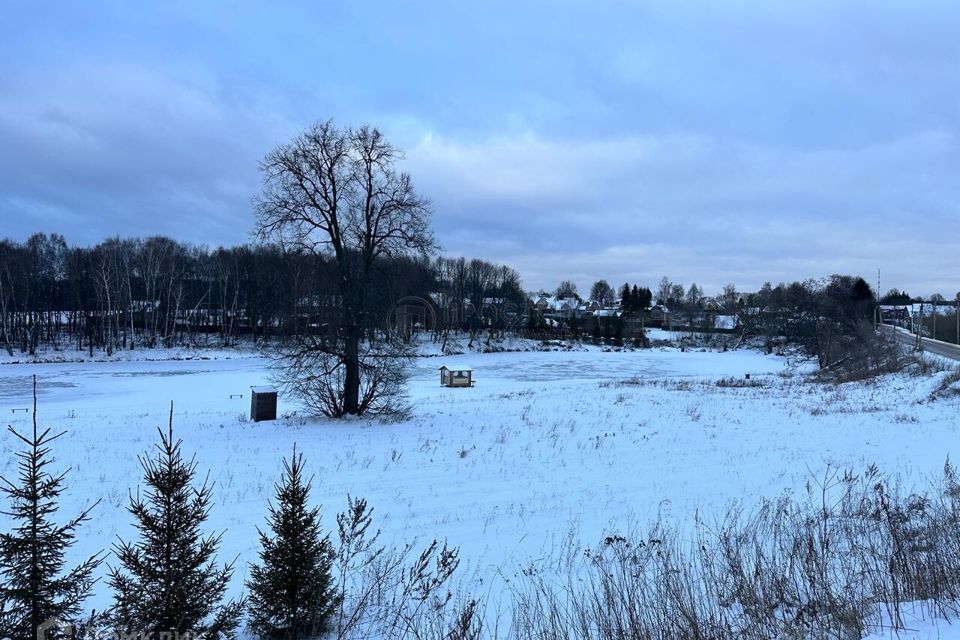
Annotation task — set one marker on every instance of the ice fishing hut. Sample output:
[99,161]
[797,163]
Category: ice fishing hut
[456,376]
[263,403]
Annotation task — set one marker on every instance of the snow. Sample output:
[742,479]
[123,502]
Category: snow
[263,389]
[918,625]
[551,442]
[140,354]
[725,322]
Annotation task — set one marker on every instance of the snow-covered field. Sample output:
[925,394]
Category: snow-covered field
[544,444]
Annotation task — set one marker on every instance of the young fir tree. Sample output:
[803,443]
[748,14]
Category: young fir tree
[291,592]
[626,299]
[34,587]
[168,581]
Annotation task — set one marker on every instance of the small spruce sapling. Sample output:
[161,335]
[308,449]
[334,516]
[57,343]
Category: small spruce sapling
[168,581]
[34,586]
[292,595]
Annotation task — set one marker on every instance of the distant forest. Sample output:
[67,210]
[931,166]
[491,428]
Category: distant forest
[131,293]
[157,292]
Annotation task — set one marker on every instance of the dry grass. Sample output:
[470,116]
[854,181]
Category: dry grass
[949,385]
[739,383]
[828,565]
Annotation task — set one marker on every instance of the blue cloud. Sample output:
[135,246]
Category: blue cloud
[715,143]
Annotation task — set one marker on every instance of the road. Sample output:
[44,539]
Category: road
[944,349]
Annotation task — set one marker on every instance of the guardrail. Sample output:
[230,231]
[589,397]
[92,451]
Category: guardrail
[939,347]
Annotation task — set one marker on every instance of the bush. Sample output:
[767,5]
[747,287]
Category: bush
[864,355]
[396,592]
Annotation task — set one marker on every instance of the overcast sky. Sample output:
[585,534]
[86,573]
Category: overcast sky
[710,142]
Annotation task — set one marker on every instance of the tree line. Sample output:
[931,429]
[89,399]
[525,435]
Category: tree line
[830,319]
[143,293]
[133,293]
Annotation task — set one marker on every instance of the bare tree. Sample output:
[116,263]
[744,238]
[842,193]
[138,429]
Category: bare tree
[693,304]
[228,278]
[669,293]
[126,254]
[663,290]
[153,262]
[105,280]
[602,293]
[5,330]
[729,299]
[336,192]
[567,289]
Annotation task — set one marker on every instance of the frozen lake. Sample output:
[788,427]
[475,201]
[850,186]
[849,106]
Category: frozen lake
[197,386]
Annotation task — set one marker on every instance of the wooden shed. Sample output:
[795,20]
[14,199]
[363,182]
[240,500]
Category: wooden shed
[456,376]
[263,403]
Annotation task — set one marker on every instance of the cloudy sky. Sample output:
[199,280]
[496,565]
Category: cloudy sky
[712,142]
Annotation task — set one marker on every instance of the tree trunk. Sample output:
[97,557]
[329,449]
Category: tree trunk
[351,380]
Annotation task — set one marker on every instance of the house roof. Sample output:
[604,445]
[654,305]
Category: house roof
[263,389]
[456,367]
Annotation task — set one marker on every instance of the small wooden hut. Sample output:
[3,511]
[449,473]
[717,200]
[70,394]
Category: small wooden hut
[456,376]
[263,403]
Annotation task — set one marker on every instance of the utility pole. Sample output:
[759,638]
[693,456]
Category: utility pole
[920,329]
[935,309]
[879,318]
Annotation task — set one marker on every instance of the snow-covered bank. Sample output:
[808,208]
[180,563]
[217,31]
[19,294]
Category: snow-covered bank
[138,354]
[427,346]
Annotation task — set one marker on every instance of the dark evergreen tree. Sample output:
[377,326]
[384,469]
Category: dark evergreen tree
[168,581]
[626,298]
[635,298]
[642,297]
[895,296]
[35,587]
[292,595]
